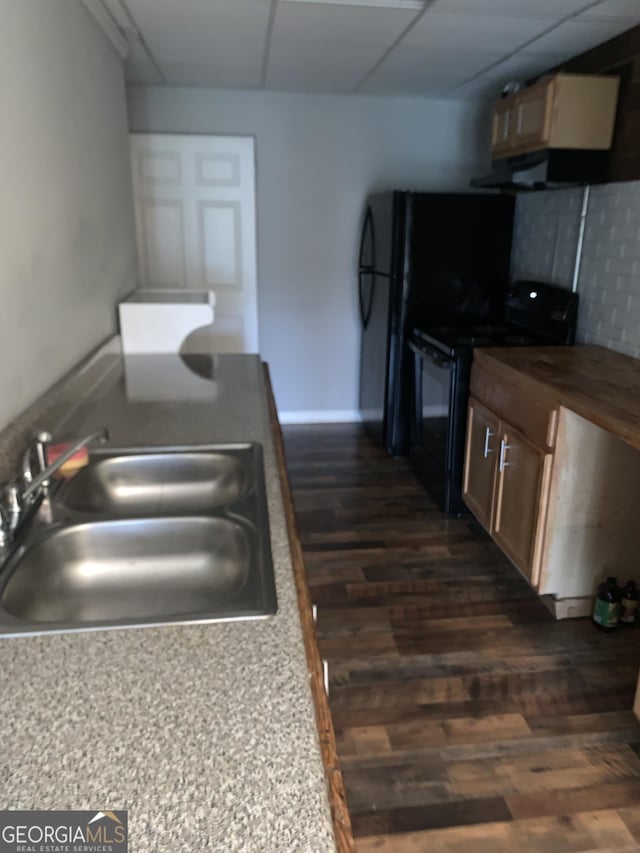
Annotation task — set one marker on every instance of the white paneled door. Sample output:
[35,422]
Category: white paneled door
[196,225]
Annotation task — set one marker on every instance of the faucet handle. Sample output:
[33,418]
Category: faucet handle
[40,441]
[12,504]
[37,448]
[10,513]
[5,529]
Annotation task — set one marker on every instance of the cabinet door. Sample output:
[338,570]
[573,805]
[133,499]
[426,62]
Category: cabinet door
[521,494]
[533,112]
[503,124]
[480,461]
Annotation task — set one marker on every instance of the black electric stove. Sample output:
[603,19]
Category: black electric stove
[535,314]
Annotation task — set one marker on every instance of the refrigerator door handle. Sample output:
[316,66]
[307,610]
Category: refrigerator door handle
[365,310]
[368,230]
[367,269]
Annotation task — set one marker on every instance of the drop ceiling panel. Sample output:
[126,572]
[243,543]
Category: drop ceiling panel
[553,9]
[344,24]
[578,35]
[227,37]
[310,79]
[302,73]
[212,75]
[518,68]
[410,83]
[482,32]
[409,58]
[627,10]
[311,42]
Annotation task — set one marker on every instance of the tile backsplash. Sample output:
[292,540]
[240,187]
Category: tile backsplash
[545,241]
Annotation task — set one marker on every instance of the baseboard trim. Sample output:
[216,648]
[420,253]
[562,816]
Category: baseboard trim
[568,608]
[320,416]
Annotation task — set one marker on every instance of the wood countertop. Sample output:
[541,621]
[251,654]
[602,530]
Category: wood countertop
[600,385]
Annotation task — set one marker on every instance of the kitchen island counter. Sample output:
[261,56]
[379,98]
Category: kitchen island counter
[205,733]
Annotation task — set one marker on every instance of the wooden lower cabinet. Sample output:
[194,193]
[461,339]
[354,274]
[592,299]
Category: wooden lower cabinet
[506,484]
[521,490]
[483,430]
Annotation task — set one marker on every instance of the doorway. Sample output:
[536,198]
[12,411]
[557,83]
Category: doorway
[196,226]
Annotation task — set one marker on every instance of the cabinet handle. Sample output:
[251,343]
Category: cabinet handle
[314,613]
[503,452]
[325,675]
[487,435]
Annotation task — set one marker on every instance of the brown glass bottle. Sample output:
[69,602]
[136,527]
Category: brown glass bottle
[606,608]
[629,604]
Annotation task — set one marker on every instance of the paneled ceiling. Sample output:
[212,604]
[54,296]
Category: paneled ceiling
[443,48]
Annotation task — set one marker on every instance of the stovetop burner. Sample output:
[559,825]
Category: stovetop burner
[472,340]
[535,314]
[487,335]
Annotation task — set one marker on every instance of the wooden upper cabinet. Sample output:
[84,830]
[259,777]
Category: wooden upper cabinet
[483,437]
[503,117]
[561,111]
[533,112]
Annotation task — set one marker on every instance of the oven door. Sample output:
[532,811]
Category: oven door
[438,419]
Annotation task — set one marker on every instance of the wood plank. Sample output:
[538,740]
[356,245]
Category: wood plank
[409,818]
[603,830]
[552,802]
[453,731]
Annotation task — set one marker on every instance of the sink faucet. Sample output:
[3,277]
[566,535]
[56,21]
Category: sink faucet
[18,495]
[40,480]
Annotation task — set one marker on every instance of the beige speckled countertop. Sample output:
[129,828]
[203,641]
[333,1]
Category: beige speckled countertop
[205,733]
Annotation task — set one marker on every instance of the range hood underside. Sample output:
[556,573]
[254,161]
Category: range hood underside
[552,168]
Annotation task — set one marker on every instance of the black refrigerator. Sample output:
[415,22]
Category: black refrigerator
[425,260]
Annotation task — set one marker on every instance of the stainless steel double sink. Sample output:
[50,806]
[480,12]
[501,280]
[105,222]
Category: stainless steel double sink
[145,537]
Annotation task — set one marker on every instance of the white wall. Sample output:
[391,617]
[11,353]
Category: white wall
[317,159]
[546,233]
[67,248]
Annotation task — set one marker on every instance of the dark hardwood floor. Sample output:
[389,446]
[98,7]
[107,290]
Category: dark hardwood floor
[467,719]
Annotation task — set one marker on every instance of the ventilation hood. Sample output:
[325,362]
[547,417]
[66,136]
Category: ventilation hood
[550,168]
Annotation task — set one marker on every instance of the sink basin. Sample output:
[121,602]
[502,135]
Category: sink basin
[138,569]
[145,537]
[156,483]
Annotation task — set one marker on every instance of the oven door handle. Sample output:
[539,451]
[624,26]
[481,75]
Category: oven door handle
[431,353]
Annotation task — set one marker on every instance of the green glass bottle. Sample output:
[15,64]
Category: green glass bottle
[606,609]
